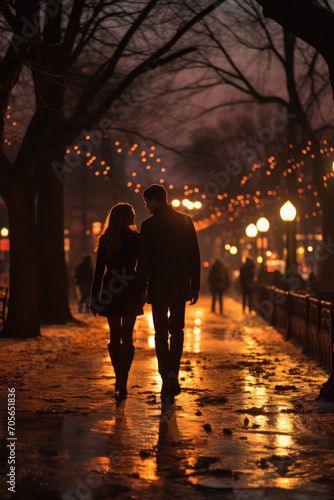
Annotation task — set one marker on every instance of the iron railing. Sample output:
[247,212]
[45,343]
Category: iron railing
[308,321]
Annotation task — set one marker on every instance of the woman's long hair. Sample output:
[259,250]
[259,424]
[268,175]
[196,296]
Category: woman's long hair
[118,222]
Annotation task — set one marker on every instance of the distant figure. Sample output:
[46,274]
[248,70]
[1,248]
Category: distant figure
[83,278]
[247,274]
[218,282]
[119,300]
[169,266]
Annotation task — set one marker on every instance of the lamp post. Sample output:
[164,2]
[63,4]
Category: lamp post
[288,215]
[262,226]
[251,232]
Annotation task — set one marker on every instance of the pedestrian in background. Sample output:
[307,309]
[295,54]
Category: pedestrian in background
[119,300]
[83,278]
[218,282]
[247,274]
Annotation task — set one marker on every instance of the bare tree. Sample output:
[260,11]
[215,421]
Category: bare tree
[308,20]
[264,64]
[84,58]
[299,87]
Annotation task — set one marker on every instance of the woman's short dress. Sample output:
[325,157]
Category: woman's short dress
[119,294]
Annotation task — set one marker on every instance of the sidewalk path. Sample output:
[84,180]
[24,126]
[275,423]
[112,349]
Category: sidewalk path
[246,425]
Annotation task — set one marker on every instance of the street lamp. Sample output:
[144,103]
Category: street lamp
[96,228]
[251,232]
[188,204]
[262,226]
[288,214]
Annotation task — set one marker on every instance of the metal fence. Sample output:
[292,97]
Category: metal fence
[305,319]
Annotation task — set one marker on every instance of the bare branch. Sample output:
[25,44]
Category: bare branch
[297,17]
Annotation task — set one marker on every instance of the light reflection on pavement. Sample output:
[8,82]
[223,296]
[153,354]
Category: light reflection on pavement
[231,434]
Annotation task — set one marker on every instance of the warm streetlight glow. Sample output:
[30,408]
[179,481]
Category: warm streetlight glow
[288,211]
[176,203]
[333,166]
[4,232]
[260,259]
[288,215]
[251,230]
[300,250]
[190,205]
[268,253]
[233,250]
[96,227]
[227,246]
[263,224]
[310,248]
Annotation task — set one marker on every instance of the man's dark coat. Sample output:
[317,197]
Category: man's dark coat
[169,257]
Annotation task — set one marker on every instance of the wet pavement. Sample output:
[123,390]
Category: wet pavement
[245,426]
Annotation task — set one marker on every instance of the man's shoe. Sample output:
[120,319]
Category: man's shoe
[173,386]
[122,395]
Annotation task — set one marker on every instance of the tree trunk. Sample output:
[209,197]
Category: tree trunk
[53,290]
[22,319]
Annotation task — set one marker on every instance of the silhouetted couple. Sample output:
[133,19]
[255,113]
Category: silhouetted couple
[160,266]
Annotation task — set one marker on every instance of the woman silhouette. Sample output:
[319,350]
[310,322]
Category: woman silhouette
[119,299]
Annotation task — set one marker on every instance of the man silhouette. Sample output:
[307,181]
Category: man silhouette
[169,274]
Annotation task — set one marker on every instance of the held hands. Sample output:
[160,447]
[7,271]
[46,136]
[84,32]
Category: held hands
[194,297]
